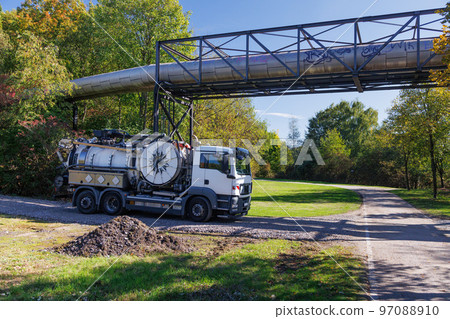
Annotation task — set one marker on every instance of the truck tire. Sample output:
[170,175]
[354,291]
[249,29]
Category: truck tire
[111,203]
[86,202]
[199,210]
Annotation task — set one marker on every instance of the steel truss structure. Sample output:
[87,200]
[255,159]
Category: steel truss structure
[323,41]
[313,36]
[165,121]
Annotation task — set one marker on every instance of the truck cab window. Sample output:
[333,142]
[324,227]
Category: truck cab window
[211,161]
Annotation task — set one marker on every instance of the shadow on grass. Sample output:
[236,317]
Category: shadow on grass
[302,197]
[423,199]
[191,277]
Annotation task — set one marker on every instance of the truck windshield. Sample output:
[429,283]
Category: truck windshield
[242,162]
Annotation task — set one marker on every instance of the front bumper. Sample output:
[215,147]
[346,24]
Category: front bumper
[234,207]
[240,206]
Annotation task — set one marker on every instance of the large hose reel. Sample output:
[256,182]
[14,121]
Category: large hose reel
[160,163]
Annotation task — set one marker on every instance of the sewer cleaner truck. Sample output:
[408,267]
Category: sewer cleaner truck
[114,172]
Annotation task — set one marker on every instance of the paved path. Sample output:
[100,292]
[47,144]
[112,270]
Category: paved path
[408,252]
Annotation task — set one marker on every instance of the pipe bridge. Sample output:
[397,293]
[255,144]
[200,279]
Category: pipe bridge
[391,51]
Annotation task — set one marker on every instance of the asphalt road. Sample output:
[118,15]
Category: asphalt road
[408,253]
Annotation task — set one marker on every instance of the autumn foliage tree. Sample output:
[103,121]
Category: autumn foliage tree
[52,20]
[441,46]
[32,85]
[421,121]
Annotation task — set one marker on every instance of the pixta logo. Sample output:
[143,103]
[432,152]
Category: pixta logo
[308,151]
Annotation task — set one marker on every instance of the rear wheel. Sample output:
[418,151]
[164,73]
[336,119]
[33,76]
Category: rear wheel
[111,203]
[86,202]
[199,210]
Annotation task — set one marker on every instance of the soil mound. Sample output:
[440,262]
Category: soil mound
[123,235]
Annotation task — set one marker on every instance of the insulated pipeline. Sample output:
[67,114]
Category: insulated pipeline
[394,56]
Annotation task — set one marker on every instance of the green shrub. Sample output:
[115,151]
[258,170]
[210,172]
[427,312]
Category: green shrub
[28,156]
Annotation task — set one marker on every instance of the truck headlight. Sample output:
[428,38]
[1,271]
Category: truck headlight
[234,202]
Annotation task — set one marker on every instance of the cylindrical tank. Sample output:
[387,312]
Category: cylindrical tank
[91,156]
[396,55]
[158,162]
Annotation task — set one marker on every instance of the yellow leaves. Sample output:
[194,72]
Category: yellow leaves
[228,119]
[441,46]
[46,18]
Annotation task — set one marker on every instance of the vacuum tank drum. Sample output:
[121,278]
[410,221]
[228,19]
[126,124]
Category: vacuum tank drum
[97,157]
[159,162]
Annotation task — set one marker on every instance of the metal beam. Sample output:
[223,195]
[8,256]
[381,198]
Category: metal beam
[317,24]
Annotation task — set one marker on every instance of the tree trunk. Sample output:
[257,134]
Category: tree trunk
[440,169]
[141,104]
[433,165]
[407,172]
[120,112]
[84,113]
[75,116]
[144,115]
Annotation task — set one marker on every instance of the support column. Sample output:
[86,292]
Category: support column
[156,109]
[191,121]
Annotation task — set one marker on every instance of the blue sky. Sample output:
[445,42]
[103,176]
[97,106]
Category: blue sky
[209,17]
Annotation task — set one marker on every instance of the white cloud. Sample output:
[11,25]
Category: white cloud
[285,115]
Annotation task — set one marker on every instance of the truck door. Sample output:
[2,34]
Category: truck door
[215,176]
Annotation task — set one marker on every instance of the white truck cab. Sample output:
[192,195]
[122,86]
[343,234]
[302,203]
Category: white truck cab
[225,172]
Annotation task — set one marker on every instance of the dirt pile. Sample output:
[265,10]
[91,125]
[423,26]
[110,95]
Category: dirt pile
[123,235]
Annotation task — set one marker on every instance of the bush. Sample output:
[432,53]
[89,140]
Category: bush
[28,156]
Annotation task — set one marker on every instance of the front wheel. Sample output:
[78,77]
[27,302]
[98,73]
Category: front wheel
[111,203]
[86,202]
[199,210]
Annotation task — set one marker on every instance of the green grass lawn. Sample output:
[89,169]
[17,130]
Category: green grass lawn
[423,199]
[300,200]
[325,183]
[220,268]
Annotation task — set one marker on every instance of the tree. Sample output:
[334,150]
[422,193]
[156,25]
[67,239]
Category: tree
[7,93]
[111,35]
[5,52]
[228,119]
[429,112]
[294,133]
[403,134]
[336,156]
[135,27]
[232,122]
[379,162]
[39,79]
[443,158]
[441,46]
[36,141]
[354,122]
[50,20]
